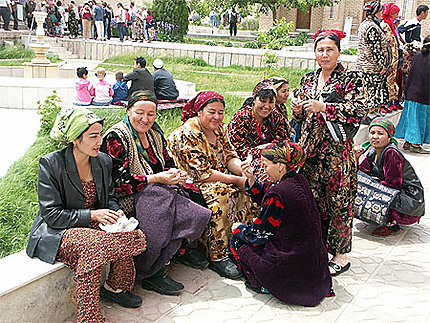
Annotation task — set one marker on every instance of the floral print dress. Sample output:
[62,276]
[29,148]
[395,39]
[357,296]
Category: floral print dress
[194,154]
[247,136]
[393,88]
[374,54]
[330,166]
[87,250]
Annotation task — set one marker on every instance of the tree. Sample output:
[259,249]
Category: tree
[172,19]
[273,5]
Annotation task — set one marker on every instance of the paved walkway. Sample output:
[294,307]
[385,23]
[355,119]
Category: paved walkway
[389,281]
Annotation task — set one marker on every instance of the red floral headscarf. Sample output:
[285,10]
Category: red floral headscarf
[198,102]
[387,10]
[324,33]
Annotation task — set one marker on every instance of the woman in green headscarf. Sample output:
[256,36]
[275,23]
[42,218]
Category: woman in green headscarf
[386,162]
[75,197]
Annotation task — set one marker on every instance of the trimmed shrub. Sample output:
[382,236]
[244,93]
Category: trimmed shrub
[171,17]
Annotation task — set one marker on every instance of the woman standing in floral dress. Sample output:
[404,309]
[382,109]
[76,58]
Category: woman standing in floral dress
[374,58]
[331,98]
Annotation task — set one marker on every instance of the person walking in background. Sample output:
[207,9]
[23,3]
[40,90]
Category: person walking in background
[120,20]
[390,12]
[99,13]
[73,24]
[412,28]
[87,16]
[5,10]
[29,8]
[150,26]
[14,4]
[107,19]
[374,59]
[233,19]
[414,124]
[212,20]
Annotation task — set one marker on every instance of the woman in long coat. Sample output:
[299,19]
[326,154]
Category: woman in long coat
[374,57]
[282,251]
[331,105]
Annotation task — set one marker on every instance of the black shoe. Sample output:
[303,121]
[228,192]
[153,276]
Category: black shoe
[124,298]
[366,121]
[192,258]
[225,268]
[163,285]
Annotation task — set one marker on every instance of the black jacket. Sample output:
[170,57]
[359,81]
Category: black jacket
[140,79]
[165,87]
[62,199]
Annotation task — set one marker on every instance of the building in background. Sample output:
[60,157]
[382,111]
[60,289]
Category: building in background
[334,17]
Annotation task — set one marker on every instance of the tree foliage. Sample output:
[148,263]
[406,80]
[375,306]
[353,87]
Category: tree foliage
[272,5]
[172,19]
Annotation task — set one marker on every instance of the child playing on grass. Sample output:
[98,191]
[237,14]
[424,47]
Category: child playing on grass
[120,90]
[83,96]
[101,90]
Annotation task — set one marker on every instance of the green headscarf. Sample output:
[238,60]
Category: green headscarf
[71,122]
[384,123]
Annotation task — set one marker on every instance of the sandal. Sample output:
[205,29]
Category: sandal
[338,268]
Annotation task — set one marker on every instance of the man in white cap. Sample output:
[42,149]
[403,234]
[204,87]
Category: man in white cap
[164,85]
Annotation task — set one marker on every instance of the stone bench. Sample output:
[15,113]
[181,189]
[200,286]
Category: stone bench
[34,291]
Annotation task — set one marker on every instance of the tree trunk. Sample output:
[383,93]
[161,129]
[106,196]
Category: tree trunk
[273,13]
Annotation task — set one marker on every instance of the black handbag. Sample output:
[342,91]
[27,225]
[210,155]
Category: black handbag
[373,200]
[339,131]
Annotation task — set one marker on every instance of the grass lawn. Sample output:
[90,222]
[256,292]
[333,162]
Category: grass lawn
[18,188]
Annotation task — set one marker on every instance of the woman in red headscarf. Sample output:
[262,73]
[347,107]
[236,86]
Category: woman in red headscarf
[389,13]
[330,103]
[201,147]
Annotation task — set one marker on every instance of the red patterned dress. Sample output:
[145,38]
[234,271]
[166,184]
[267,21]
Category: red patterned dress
[247,136]
[87,250]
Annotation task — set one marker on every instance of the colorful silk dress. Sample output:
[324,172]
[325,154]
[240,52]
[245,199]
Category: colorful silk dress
[330,166]
[393,88]
[165,224]
[246,135]
[374,54]
[194,154]
[282,250]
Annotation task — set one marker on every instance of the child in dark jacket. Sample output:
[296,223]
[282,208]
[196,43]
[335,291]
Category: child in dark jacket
[120,90]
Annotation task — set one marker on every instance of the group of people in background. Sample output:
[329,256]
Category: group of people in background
[264,197]
[100,93]
[386,54]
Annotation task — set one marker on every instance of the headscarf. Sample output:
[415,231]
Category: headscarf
[333,34]
[388,127]
[266,84]
[278,82]
[285,152]
[387,11]
[193,106]
[71,122]
[141,95]
[372,7]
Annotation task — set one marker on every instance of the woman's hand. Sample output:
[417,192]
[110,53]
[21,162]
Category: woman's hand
[235,226]
[313,106]
[248,171]
[168,177]
[358,150]
[105,216]
[296,106]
